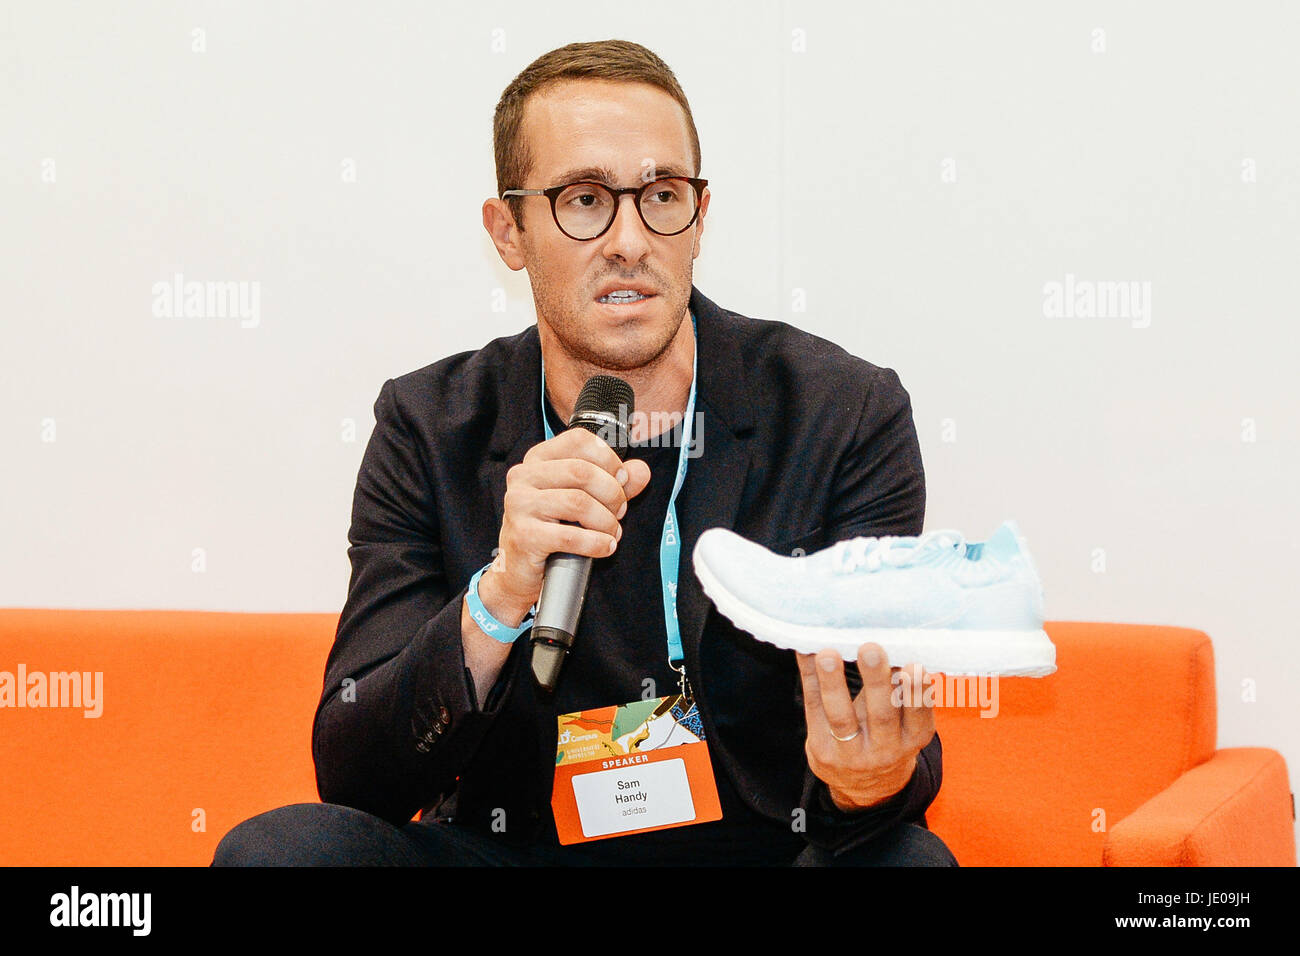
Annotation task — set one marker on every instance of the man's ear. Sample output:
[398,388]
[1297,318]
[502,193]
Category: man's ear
[699,223]
[501,227]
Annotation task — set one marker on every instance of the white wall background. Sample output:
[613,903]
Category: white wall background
[915,173]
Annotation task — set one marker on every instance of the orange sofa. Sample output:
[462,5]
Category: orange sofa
[206,721]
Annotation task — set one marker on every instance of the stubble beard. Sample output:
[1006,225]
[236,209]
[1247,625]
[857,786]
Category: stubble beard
[573,329]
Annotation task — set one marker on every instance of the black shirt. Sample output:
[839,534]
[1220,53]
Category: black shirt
[622,643]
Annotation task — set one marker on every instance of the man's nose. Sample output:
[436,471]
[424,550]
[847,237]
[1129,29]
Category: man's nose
[628,236]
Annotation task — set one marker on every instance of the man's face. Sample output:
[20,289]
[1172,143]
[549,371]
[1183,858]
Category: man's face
[634,131]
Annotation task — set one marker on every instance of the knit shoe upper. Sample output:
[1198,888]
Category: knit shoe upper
[935,580]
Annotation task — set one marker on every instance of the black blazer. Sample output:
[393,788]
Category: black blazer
[803,445]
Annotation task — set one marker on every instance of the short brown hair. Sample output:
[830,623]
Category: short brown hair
[619,60]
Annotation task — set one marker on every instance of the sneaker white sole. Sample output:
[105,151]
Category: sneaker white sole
[943,651]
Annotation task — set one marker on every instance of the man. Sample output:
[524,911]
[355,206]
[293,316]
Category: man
[429,703]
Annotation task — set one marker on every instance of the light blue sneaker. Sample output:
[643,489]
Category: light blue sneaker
[952,606]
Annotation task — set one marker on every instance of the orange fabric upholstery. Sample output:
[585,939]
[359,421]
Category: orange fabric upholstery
[1128,711]
[206,721]
[201,712]
[1232,810]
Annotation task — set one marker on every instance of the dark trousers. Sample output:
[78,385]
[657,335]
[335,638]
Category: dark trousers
[324,834]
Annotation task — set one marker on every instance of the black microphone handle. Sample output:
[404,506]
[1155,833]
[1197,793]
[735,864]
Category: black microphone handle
[565,579]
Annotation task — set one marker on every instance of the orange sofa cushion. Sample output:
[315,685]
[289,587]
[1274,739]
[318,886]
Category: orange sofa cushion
[202,712]
[1130,708]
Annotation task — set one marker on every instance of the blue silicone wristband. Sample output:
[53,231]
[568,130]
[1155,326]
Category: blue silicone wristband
[488,624]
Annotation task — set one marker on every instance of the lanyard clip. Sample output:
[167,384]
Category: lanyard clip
[682,682]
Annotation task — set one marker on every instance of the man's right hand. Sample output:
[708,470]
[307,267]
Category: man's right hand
[573,477]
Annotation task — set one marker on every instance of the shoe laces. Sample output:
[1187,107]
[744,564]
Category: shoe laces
[894,550]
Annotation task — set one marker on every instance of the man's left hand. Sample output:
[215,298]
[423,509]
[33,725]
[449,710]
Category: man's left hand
[864,748]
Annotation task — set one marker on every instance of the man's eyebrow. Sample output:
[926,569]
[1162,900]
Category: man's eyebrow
[602,174]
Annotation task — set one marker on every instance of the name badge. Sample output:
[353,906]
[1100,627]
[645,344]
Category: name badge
[631,769]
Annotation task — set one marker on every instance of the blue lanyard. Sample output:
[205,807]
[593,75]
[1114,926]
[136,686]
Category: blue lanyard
[670,545]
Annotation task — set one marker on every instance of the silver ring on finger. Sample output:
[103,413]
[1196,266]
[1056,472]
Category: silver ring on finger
[845,740]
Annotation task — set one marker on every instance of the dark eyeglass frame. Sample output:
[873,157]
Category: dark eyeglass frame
[553,194]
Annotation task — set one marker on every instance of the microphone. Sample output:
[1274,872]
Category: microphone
[564,582]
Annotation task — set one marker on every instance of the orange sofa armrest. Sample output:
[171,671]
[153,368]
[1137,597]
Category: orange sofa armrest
[1233,810]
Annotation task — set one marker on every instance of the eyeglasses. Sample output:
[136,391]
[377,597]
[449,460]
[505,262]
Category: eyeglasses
[586,210]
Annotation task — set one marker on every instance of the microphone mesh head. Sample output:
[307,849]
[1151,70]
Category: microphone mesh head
[605,395]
